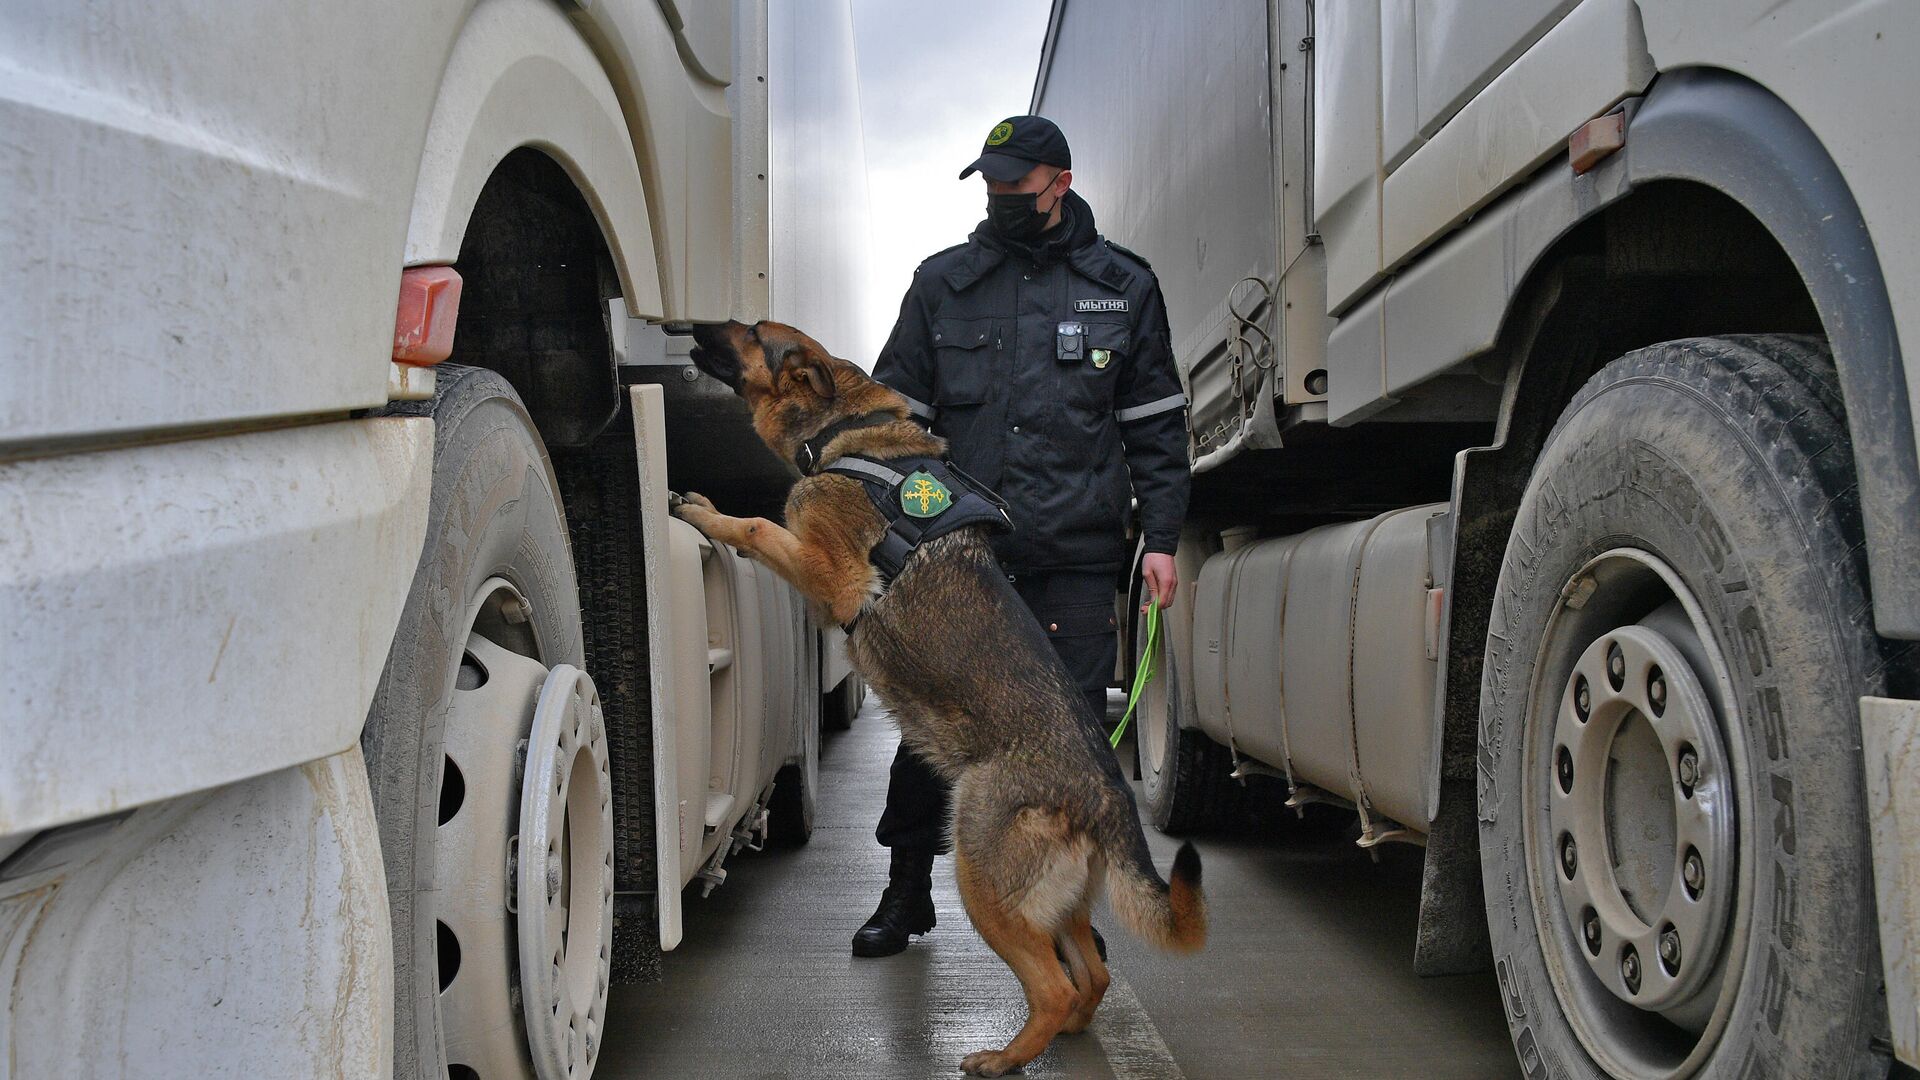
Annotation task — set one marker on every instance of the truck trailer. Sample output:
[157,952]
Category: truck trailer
[1556,504]
[365,713]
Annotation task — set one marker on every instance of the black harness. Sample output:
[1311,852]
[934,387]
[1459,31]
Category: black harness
[921,498]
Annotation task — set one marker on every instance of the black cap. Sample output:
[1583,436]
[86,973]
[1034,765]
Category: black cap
[1016,145]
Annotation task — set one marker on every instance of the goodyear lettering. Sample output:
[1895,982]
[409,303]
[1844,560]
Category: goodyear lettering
[1773,992]
[1783,906]
[1783,813]
[1754,640]
[1773,722]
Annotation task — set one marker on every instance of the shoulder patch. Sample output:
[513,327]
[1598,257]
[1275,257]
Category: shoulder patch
[1129,254]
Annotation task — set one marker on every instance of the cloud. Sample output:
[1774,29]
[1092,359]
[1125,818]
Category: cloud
[934,78]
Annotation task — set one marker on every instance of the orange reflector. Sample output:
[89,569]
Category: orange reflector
[429,307]
[1595,139]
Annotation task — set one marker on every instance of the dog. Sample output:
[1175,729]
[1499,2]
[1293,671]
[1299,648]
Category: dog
[1042,816]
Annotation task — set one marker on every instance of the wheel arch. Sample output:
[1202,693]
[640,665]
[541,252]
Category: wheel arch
[520,76]
[1735,152]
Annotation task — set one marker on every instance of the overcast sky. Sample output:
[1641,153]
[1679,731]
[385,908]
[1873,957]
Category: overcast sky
[934,79]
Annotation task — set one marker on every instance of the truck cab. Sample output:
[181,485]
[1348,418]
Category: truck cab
[1555,470]
[373,716]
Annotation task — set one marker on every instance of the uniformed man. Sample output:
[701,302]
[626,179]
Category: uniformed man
[1040,351]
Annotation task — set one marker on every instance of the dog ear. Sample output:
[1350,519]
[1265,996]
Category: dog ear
[815,367]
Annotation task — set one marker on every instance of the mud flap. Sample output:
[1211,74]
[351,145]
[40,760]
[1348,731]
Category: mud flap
[650,443]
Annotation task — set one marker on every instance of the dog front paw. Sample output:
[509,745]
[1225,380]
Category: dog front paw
[988,1063]
[693,508]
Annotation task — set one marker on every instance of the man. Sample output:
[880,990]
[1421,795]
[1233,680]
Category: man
[1041,353]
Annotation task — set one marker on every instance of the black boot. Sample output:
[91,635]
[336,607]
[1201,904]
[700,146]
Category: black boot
[906,907]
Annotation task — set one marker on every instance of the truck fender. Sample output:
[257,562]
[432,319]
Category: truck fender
[1727,133]
[521,75]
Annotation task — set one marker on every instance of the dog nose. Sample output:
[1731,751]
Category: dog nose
[711,334]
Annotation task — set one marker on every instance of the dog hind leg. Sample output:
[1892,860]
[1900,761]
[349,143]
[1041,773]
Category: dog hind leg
[1093,988]
[1028,950]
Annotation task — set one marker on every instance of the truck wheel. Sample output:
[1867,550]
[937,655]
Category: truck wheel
[1673,828]
[840,705]
[492,614]
[1185,776]
[796,786]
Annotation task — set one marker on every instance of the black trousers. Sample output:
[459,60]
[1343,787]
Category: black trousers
[1075,607]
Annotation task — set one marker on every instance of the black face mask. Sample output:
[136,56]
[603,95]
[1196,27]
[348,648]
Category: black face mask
[1018,216]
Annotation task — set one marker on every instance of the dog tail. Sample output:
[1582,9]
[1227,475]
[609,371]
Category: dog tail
[1171,915]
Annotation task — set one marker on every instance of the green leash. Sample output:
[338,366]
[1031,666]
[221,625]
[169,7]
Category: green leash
[1143,675]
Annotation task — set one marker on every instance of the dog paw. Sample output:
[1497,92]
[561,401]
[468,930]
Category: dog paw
[693,508]
[988,1063]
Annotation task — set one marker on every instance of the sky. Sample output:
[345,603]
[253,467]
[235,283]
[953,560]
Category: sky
[934,78]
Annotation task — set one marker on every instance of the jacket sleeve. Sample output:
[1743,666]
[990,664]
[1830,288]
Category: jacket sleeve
[905,364]
[1152,413]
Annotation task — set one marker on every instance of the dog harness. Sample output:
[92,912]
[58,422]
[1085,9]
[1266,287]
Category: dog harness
[921,498]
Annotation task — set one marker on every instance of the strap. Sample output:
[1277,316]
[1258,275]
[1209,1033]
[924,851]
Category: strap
[1152,408]
[807,458]
[867,467]
[918,408]
[1143,674]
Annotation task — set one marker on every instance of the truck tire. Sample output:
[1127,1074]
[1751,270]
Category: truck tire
[1185,777]
[1673,828]
[840,705]
[492,608]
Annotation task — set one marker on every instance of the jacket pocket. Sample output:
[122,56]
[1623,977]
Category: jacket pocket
[963,357]
[1077,620]
[1088,383]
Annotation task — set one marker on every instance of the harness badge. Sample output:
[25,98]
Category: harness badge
[923,497]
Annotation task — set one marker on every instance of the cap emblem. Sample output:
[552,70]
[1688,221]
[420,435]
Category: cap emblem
[1001,133]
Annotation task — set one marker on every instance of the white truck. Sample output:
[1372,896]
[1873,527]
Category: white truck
[1556,502]
[363,714]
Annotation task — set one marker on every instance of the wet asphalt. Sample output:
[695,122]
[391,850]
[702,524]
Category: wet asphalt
[1308,972]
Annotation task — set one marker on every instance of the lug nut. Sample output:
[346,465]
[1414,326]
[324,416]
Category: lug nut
[1630,969]
[1670,949]
[1657,691]
[1694,873]
[1565,764]
[1569,858]
[1582,698]
[1616,666]
[1590,929]
[1689,769]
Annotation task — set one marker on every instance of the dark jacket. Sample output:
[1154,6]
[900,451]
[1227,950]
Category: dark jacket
[1065,439]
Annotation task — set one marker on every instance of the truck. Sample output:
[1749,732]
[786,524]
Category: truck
[364,712]
[1555,504]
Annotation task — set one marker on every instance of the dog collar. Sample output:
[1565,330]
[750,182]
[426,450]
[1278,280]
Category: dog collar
[807,459]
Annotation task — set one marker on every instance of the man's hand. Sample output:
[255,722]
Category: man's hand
[1161,579]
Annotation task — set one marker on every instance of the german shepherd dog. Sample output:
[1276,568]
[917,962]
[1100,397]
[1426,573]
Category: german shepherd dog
[1042,816]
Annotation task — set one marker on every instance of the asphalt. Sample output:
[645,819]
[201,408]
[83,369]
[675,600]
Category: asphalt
[1307,974]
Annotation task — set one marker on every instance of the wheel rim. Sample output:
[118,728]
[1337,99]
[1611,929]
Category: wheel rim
[494,726]
[1639,887]
[565,877]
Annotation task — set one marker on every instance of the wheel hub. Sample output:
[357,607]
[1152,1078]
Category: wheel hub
[1642,819]
[565,877]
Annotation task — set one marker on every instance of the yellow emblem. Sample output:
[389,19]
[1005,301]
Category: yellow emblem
[1101,358]
[1001,133]
[922,496]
